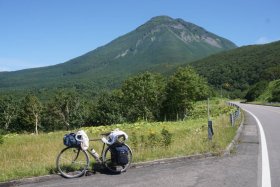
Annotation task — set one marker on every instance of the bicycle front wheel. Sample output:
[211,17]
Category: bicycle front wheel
[111,165]
[72,162]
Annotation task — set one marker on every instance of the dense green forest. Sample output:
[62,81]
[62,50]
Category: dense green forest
[238,70]
[146,96]
[264,92]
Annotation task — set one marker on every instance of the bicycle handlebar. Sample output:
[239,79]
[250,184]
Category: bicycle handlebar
[105,134]
[95,139]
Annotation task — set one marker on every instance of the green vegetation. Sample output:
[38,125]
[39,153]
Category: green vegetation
[265,93]
[146,96]
[24,155]
[142,96]
[183,88]
[256,90]
[271,93]
[235,71]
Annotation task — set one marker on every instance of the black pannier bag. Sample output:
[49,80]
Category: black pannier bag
[119,154]
[70,141]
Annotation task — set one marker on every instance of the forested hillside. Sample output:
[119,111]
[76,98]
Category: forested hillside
[238,69]
[264,92]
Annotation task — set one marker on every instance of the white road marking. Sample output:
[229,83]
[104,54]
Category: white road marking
[266,179]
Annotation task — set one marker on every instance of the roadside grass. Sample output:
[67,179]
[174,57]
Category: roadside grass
[25,155]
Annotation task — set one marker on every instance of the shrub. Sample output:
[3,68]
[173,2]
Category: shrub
[2,132]
[153,139]
[1,139]
[166,137]
[275,94]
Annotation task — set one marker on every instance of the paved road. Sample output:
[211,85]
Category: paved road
[239,169]
[269,117]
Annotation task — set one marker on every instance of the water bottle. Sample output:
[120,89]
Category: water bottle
[94,154]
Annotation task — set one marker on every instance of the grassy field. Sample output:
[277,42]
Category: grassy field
[24,155]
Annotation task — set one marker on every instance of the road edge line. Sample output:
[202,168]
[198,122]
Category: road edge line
[266,178]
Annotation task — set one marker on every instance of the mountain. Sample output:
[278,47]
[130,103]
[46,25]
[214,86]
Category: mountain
[239,69]
[159,45]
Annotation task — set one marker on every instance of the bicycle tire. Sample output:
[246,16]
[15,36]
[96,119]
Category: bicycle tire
[112,167]
[72,162]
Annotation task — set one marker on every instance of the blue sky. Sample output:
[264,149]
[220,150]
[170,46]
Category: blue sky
[36,33]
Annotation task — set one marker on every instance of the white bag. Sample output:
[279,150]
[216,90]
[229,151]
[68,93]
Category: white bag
[83,138]
[113,136]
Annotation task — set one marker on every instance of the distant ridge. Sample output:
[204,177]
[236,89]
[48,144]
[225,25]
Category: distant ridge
[238,69]
[159,45]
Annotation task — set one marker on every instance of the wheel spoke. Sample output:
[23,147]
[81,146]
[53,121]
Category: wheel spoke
[72,162]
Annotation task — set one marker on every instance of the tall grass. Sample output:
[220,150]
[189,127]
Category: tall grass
[30,155]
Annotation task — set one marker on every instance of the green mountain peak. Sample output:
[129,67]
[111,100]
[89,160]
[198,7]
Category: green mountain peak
[162,18]
[158,45]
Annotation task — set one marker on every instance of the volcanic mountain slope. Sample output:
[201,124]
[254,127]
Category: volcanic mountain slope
[158,45]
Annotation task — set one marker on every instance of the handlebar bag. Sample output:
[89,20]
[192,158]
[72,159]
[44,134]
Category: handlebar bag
[70,140]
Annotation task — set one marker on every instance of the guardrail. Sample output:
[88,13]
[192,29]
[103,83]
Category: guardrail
[235,115]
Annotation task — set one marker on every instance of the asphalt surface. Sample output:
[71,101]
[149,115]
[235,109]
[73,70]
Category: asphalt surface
[238,169]
[269,117]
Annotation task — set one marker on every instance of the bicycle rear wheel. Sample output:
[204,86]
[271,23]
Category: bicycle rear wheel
[111,165]
[72,162]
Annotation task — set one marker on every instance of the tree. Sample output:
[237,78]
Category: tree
[8,112]
[183,89]
[275,93]
[255,91]
[142,96]
[31,111]
[67,109]
[272,73]
[109,109]
[50,120]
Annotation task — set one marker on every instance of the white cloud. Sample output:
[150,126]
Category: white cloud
[263,40]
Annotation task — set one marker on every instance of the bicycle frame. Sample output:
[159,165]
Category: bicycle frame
[103,148]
